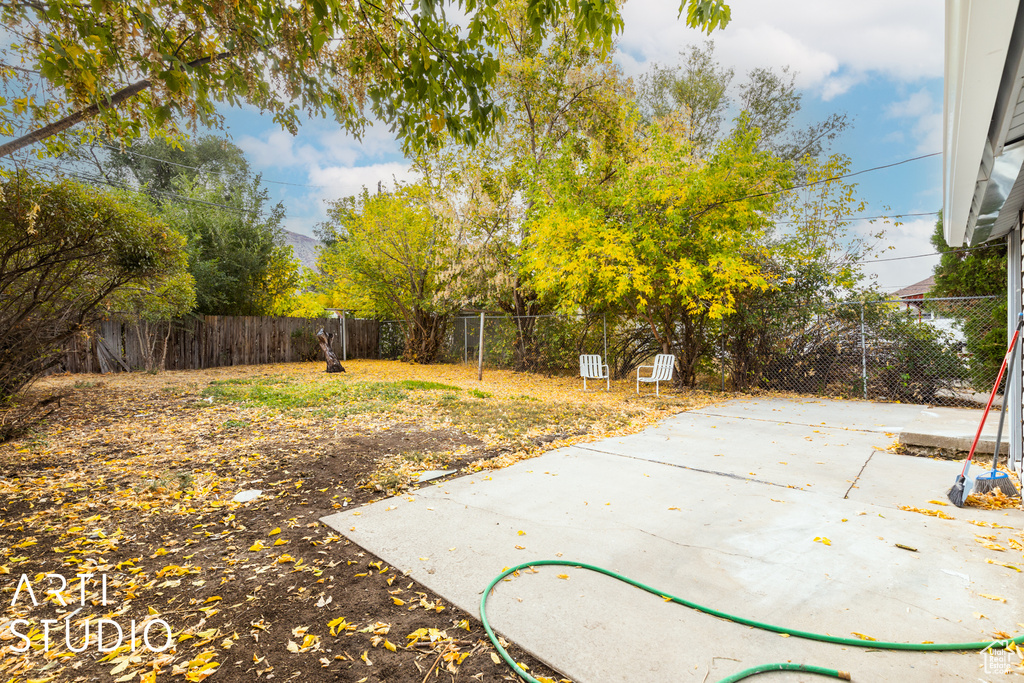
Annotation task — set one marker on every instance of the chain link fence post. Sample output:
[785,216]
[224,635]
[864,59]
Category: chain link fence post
[721,346]
[863,352]
[604,330]
[480,362]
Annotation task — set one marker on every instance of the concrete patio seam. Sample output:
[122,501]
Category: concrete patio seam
[692,469]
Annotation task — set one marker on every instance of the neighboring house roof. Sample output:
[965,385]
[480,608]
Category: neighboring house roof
[918,290]
[983,120]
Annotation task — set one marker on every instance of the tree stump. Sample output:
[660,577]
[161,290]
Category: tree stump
[333,365]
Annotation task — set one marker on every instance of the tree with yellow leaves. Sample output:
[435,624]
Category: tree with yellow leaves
[671,239]
[387,254]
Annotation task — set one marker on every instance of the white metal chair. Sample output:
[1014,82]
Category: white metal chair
[592,368]
[661,371]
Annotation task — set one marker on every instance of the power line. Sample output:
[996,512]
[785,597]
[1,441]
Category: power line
[934,253]
[825,180]
[196,168]
[869,218]
[56,170]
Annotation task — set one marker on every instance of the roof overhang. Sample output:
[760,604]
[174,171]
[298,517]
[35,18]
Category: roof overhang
[983,120]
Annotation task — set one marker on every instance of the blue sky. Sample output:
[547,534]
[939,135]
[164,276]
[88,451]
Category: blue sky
[880,61]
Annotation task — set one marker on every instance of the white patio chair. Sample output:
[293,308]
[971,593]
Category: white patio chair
[592,368]
[661,371]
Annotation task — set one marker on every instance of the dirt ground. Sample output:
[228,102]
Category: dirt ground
[119,509]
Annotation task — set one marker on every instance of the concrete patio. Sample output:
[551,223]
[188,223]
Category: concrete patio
[722,506]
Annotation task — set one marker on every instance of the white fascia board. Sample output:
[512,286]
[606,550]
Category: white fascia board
[977,37]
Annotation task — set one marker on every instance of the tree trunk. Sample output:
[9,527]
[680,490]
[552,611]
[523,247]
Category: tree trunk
[525,351]
[424,337]
[325,344]
[92,110]
[693,345]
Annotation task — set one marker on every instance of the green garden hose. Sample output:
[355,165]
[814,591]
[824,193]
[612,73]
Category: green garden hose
[807,635]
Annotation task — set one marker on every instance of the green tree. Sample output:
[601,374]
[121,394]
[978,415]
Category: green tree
[968,272]
[964,272]
[157,165]
[236,248]
[809,259]
[669,240]
[388,254]
[237,252]
[560,96]
[697,91]
[143,64]
[65,250]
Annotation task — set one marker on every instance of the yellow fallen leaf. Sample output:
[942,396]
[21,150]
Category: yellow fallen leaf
[275,531]
[521,532]
[495,658]
[563,576]
[257,546]
[938,502]
[822,539]
[862,636]
[365,658]
[389,645]
[992,597]
[925,511]
[338,625]
[398,601]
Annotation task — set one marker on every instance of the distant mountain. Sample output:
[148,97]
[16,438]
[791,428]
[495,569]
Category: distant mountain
[304,248]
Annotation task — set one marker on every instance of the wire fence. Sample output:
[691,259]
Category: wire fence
[924,350]
[928,350]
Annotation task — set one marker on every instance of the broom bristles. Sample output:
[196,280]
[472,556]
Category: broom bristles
[992,481]
[957,495]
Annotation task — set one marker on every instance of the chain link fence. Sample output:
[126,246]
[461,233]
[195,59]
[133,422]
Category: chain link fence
[938,350]
[929,350]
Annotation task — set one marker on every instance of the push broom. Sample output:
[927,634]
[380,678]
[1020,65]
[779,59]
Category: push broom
[994,479]
[958,494]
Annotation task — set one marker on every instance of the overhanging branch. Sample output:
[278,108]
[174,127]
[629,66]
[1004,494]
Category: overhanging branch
[92,110]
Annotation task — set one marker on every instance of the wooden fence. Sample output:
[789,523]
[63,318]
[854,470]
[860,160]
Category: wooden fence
[216,341]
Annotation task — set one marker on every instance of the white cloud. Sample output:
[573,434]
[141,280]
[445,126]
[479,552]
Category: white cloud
[335,182]
[926,116]
[909,239]
[276,148]
[319,144]
[832,44]
[342,181]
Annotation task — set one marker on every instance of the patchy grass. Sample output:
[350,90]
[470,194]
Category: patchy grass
[337,399]
[133,480]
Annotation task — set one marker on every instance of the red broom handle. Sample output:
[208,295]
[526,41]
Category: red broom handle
[992,396]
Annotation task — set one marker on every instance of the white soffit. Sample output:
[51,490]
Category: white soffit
[978,34]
